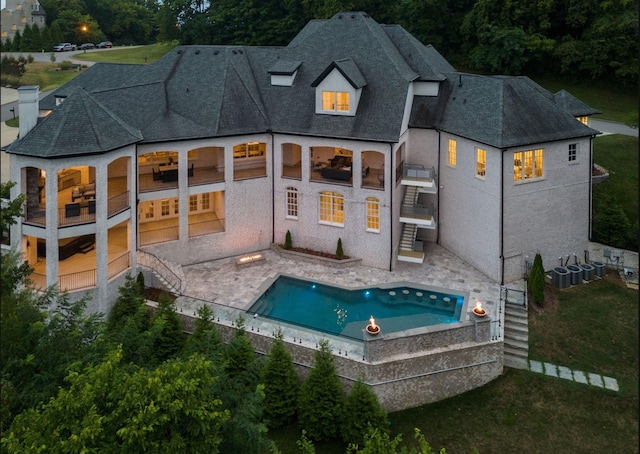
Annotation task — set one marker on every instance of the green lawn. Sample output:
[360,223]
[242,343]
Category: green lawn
[139,54]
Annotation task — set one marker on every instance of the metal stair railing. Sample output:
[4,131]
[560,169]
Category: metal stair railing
[160,268]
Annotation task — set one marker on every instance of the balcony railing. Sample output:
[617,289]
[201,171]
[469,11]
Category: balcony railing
[206,227]
[79,214]
[159,235]
[82,279]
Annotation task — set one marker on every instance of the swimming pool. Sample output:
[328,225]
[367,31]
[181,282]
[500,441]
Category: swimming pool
[346,312]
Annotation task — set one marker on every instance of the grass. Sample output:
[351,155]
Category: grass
[138,54]
[616,104]
[46,75]
[593,328]
[619,155]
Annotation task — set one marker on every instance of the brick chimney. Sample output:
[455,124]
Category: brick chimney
[29,107]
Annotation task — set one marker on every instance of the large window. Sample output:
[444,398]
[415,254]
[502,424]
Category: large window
[373,214]
[452,153]
[249,150]
[331,208]
[528,164]
[292,203]
[335,101]
[481,162]
[584,120]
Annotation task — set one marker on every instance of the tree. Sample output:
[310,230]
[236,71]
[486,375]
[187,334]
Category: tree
[537,280]
[321,397]
[362,411]
[110,409]
[287,240]
[281,385]
[205,338]
[12,210]
[166,330]
[339,251]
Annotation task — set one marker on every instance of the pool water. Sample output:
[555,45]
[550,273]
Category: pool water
[346,312]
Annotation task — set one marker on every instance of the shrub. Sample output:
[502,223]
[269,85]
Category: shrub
[362,413]
[339,251]
[140,281]
[281,385]
[536,280]
[321,397]
[287,240]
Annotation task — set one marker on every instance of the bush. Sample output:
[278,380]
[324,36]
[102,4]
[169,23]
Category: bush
[536,280]
[339,251]
[281,385]
[321,398]
[287,240]
[362,413]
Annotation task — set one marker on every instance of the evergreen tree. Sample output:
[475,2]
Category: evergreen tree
[537,280]
[281,385]
[321,397]
[362,412]
[239,353]
[205,338]
[166,330]
[287,240]
[339,251]
[17,42]
[129,302]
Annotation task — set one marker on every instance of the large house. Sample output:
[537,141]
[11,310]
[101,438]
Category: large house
[17,14]
[354,131]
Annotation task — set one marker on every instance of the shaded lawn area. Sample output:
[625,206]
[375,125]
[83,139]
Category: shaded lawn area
[593,328]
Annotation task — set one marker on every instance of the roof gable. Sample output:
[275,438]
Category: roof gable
[349,70]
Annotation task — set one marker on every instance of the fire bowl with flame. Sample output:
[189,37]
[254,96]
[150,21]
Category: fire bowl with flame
[372,328]
[478,310]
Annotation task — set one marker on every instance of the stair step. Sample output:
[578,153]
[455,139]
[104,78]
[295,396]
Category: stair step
[516,363]
[516,344]
[517,336]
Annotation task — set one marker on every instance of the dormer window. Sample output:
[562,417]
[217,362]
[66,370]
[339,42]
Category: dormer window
[283,72]
[338,88]
[335,101]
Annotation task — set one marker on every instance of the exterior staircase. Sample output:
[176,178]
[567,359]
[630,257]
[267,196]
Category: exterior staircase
[169,274]
[516,330]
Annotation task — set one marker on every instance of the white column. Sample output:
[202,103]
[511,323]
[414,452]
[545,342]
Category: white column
[102,234]
[52,210]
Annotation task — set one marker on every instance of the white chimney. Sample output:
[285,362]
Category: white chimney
[29,107]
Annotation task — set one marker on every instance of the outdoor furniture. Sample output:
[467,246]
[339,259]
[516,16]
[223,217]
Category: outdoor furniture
[72,210]
[190,170]
[92,207]
[84,191]
[167,176]
[156,174]
[332,173]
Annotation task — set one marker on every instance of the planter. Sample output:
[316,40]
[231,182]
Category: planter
[335,263]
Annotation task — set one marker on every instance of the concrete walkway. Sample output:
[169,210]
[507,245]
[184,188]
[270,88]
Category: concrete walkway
[578,376]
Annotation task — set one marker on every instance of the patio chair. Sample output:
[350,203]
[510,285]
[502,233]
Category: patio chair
[72,210]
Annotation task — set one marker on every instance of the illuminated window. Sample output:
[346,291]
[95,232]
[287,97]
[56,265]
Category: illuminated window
[573,152]
[452,152]
[331,208]
[337,101]
[164,208]
[175,206]
[292,203]
[249,150]
[481,162]
[584,120]
[528,164]
[373,214]
[148,212]
[193,203]
[205,202]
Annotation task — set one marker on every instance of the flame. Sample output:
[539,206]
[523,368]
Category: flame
[372,323]
[479,309]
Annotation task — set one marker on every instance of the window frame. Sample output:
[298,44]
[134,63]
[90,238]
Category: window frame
[573,151]
[329,204]
[452,153]
[528,159]
[481,163]
[333,101]
[372,206]
[291,203]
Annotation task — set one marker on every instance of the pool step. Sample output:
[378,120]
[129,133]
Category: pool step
[516,336]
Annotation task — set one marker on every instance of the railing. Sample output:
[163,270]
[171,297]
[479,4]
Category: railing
[206,227]
[78,280]
[514,296]
[115,205]
[417,211]
[118,265]
[159,235]
[418,171]
[148,260]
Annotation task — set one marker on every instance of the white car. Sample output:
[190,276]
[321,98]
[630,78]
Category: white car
[64,47]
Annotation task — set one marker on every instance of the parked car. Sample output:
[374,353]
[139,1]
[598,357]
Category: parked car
[86,46]
[64,47]
[104,45]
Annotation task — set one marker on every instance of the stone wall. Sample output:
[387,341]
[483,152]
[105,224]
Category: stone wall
[404,369]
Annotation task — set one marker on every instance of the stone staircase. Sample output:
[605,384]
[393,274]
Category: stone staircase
[516,335]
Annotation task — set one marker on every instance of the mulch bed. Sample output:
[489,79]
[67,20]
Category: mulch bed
[316,253]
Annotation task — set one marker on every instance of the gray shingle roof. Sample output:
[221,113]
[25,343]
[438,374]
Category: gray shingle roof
[499,111]
[81,126]
[215,91]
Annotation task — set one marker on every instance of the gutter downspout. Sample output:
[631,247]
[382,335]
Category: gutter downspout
[273,189]
[438,189]
[390,208]
[502,216]
[590,214]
